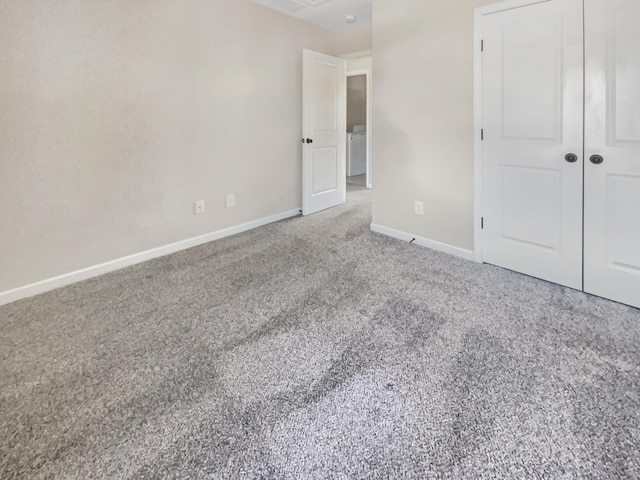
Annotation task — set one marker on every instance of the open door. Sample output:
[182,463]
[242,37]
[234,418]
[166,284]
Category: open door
[324,127]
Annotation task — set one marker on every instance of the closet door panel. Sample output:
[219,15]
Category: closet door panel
[612,129]
[532,118]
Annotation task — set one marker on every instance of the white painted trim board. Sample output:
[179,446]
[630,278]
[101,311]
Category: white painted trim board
[53,283]
[424,242]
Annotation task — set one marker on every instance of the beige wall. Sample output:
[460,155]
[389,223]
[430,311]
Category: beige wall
[355,39]
[359,64]
[356,101]
[423,117]
[116,116]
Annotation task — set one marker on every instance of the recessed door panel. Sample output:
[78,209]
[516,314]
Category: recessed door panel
[532,80]
[531,202]
[532,116]
[325,170]
[623,235]
[612,129]
[325,113]
[624,71]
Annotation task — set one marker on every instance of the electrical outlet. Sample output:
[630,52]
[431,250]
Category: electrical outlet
[419,207]
[198,207]
[231,200]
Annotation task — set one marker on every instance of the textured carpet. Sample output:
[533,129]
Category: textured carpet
[313,349]
[360,180]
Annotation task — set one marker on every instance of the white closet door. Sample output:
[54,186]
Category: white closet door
[533,118]
[612,128]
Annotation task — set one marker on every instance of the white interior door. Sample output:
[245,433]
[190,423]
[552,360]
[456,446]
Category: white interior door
[532,120]
[612,127]
[324,129]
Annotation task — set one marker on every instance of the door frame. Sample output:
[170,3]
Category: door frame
[478,161]
[367,73]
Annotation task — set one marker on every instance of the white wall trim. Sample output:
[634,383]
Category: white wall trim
[424,242]
[506,5]
[26,291]
[354,73]
[478,125]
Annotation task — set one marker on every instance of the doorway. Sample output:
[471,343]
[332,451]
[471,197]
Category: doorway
[324,128]
[357,130]
[358,171]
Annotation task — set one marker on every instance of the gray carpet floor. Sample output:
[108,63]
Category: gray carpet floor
[314,349]
[360,180]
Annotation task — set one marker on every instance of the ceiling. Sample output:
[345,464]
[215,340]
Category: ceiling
[328,14]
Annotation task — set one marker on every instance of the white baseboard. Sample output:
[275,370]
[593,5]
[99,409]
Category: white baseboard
[32,289]
[424,242]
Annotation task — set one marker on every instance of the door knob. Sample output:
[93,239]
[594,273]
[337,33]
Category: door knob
[571,157]
[309,140]
[596,159]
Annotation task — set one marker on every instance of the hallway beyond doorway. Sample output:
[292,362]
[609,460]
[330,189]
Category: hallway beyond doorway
[358,180]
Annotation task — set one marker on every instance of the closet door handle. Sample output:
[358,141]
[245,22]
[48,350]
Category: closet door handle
[571,157]
[596,159]
[309,140]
